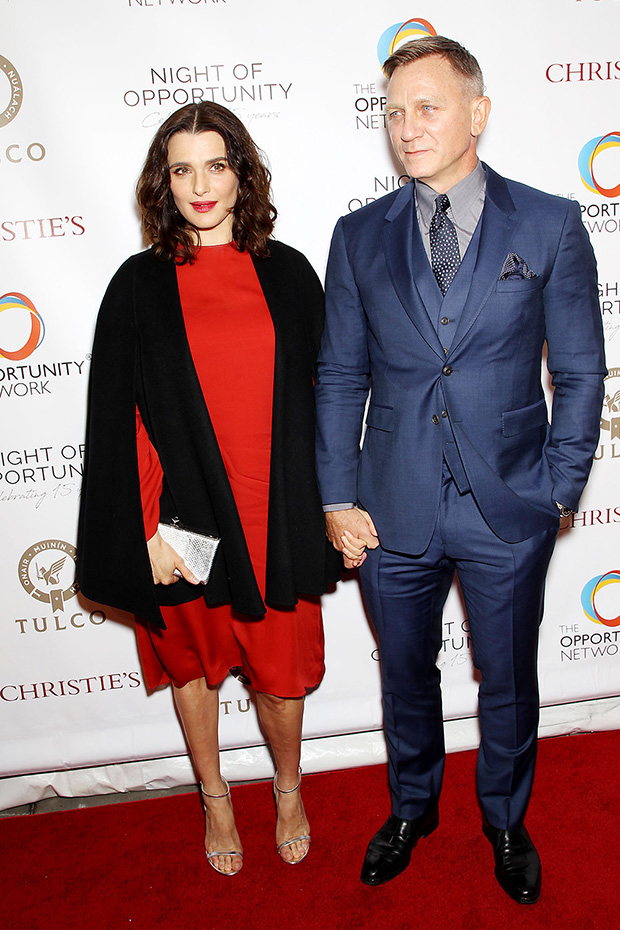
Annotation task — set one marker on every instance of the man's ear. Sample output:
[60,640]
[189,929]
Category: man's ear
[481,107]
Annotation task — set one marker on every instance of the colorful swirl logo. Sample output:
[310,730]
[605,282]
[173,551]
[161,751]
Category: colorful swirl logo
[401,32]
[586,161]
[15,301]
[589,595]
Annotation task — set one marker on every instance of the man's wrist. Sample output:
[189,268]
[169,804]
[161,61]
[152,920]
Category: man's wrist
[329,508]
[564,511]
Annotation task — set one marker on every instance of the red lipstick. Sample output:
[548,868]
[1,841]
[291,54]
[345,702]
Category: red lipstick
[203,206]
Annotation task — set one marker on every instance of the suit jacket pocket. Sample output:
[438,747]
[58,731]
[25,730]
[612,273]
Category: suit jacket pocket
[519,285]
[379,417]
[526,418]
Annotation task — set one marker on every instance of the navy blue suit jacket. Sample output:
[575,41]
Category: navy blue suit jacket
[517,458]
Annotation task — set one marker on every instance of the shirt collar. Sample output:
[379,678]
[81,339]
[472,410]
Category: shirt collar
[466,199]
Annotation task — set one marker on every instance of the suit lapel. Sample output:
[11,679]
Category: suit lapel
[424,278]
[498,224]
[408,266]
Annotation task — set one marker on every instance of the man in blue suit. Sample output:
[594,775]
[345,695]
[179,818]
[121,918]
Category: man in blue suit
[442,296]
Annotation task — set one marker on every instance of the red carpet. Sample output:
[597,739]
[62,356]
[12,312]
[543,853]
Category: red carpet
[139,865]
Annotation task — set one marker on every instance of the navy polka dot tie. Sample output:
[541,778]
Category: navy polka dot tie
[445,256]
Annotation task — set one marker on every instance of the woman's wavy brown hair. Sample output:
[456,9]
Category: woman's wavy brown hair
[253,214]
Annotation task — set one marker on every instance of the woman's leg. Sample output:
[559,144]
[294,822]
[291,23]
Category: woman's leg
[282,720]
[198,707]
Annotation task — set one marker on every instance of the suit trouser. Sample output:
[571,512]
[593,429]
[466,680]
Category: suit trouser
[503,589]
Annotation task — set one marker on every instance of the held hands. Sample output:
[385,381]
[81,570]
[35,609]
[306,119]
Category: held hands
[351,532]
[164,560]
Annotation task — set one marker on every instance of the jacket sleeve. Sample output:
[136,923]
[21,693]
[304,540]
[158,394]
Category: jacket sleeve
[343,379]
[576,360]
[112,564]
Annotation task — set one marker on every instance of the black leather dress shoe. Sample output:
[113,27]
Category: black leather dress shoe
[389,851]
[517,864]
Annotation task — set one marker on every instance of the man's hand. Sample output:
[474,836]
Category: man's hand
[164,560]
[351,532]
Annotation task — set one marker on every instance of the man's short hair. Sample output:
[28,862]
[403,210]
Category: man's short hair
[462,61]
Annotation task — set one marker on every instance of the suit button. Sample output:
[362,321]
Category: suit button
[444,321]
[446,370]
[435,419]
[444,413]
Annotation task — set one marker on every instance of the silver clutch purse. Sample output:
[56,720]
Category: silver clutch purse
[196,550]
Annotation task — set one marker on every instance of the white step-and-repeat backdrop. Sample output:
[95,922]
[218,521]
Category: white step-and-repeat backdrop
[83,87]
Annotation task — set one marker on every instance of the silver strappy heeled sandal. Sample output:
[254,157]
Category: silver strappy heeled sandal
[225,852]
[296,839]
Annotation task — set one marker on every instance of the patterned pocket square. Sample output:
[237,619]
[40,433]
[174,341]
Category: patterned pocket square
[515,267]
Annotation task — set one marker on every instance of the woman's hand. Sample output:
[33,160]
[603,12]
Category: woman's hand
[353,550]
[164,560]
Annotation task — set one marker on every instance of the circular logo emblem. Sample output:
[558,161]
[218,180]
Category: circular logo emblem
[47,572]
[11,95]
[401,32]
[610,416]
[586,163]
[590,597]
[15,301]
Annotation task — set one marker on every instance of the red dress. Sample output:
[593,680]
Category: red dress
[231,337]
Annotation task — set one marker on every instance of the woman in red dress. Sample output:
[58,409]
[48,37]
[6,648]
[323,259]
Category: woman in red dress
[201,383]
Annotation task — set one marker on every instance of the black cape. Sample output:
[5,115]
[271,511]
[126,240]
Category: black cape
[141,356]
